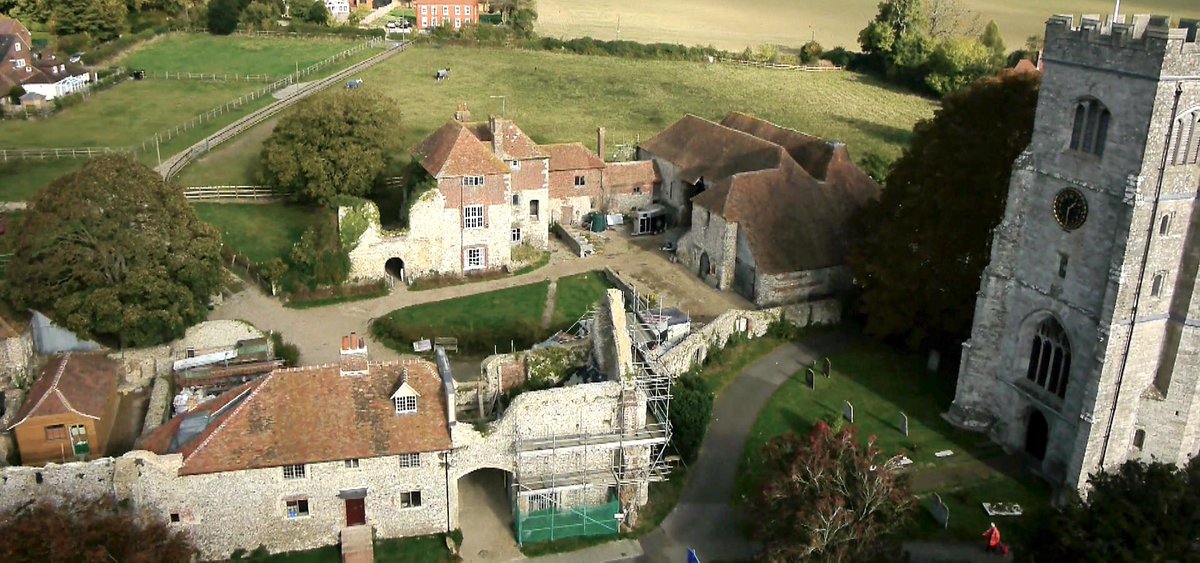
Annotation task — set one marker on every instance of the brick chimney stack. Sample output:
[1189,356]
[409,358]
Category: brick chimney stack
[462,114]
[352,360]
[600,143]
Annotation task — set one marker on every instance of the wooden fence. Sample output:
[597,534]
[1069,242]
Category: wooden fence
[55,153]
[777,66]
[212,77]
[218,193]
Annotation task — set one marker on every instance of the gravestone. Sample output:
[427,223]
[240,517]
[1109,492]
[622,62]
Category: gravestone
[940,511]
[848,411]
[904,424]
[827,369]
[810,379]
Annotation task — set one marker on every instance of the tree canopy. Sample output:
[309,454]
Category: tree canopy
[919,251]
[829,497]
[1140,512]
[316,12]
[89,531]
[102,19]
[333,144]
[222,16]
[114,252]
[691,411]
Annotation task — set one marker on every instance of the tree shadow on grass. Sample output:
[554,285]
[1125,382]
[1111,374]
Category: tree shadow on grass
[886,133]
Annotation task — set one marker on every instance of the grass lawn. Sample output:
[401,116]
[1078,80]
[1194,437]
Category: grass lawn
[736,25]
[558,97]
[24,178]
[725,365]
[478,321]
[196,52]
[575,296]
[235,163]
[881,384]
[259,231]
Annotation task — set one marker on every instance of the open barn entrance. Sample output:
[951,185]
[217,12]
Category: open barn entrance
[395,268]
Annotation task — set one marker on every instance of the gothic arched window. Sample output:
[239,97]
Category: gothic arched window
[1090,128]
[1050,357]
[1187,139]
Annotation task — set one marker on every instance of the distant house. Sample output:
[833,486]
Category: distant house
[338,9]
[437,13]
[43,73]
[69,412]
[767,206]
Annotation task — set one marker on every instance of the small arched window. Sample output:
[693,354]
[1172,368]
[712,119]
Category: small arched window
[1164,224]
[1156,286]
[1090,128]
[1050,358]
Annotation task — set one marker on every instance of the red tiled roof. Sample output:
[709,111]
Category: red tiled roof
[813,153]
[700,148]
[312,415]
[571,156]
[507,140]
[637,172]
[78,383]
[453,150]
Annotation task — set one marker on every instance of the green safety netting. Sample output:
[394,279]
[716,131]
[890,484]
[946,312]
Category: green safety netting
[561,523]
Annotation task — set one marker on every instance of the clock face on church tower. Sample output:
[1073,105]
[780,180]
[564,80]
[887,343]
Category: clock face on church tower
[1070,209]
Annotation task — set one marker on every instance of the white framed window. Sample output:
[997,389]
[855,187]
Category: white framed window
[410,460]
[473,258]
[516,236]
[458,10]
[466,10]
[580,181]
[473,217]
[17,47]
[19,63]
[351,464]
[424,10]
[445,10]
[297,508]
[293,471]
[457,22]
[405,404]
[424,21]
[514,164]
[410,499]
[472,181]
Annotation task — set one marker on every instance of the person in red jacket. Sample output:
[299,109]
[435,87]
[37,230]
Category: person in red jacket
[992,535]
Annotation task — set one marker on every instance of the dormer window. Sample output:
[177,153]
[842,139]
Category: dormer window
[405,405]
[514,164]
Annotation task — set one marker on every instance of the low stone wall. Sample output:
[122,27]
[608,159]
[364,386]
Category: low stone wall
[574,241]
[159,408]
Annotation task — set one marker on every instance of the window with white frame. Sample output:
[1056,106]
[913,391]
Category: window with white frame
[410,460]
[458,10]
[457,22]
[472,181]
[297,508]
[405,404]
[424,10]
[473,258]
[473,217]
[410,499]
[19,63]
[424,21]
[17,47]
[293,471]
[466,10]
[445,10]
[580,181]
[516,236]
[351,464]
[514,164]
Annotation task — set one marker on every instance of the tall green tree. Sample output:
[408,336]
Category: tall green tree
[115,253]
[691,411]
[897,39]
[260,14]
[332,144]
[88,531]
[919,251]
[223,16]
[992,39]
[957,62]
[102,19]
[316,12]
[829,497]
[1140,512]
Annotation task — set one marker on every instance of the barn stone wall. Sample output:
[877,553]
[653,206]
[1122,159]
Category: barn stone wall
[776,289]
[16,360]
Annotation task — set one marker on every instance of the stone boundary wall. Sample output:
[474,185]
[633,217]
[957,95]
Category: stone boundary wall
[159,408]
[82,480]
[577,243]
[16,359]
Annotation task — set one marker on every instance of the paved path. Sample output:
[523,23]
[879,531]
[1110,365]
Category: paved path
[317,331]
[950,552]
[704,519]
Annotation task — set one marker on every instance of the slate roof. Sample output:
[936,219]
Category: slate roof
[454,150]
[793,215]
[71,383]
[571,156]
[701,148]
[310,415]
[633,173]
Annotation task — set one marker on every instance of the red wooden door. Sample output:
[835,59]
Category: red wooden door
[356,512]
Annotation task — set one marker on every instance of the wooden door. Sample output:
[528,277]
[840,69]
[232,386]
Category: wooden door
[356,512]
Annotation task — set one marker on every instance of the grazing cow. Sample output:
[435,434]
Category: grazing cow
[443,74]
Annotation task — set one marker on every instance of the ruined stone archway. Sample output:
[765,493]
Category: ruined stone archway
[394,267]
[485,515]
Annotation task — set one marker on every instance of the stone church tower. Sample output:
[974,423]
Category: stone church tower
[1085,349]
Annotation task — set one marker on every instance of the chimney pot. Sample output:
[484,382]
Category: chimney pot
[345,343]
[600,143]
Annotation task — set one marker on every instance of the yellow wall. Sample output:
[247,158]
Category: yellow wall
[36,450]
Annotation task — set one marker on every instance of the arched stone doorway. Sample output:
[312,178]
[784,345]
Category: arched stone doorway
[1037,432]
[395,268]
[485,516]
[705,265]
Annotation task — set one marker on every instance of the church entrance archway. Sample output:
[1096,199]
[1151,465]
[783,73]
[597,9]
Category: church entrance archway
[395,268]
[1037,432]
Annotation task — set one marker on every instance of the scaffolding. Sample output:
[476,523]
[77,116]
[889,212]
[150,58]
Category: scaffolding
[558,481]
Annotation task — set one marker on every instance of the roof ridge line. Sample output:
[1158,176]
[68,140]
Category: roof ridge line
[236,410]
[53,387]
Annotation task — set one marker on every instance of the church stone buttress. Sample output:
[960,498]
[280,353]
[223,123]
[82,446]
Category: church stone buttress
[1085,348]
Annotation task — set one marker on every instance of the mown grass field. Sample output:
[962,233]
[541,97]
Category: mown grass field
[563,98]
[737,25]
[259,232]
[234,54]
[575,295]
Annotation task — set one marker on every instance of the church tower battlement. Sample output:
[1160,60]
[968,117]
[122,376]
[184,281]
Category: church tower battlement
[1085,347]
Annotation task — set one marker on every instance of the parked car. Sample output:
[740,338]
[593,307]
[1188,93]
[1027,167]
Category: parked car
[76,57]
